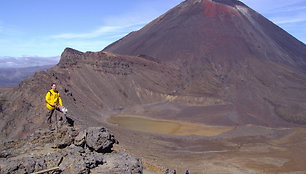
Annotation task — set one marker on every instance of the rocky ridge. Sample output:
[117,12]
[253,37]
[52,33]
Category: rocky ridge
[67,150]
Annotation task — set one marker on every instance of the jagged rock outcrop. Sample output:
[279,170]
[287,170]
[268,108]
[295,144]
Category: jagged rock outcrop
[99,139]
[62,148]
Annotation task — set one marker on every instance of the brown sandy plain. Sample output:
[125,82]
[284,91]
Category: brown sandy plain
[175,144]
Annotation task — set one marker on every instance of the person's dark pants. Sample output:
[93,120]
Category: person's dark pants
[49,117]
[52,113]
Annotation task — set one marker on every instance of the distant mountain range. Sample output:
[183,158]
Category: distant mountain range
[27,61]
[13,76]
[15,69]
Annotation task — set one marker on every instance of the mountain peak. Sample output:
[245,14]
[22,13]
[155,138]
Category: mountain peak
[70,57]
[227,49]
[71,50]
[215,8]
[225,30]
[232,3]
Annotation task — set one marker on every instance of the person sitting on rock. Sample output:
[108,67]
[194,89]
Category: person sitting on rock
[54,102]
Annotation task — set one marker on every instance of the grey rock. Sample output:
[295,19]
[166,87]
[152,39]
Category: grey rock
[10,167]
[119,163]
[93,160]
[72,151]
[100,139]
[4,154]
[80,138]
[78,149]
[74,163]
[23,165]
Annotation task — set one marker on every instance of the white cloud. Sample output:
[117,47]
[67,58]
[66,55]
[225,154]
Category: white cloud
[112,28]
[92,34]
[131,19]
[103,30]
[287,20]
[119,24]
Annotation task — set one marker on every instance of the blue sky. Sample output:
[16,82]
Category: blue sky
[45,27]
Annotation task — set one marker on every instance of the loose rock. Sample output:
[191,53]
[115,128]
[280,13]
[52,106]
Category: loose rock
[72,150]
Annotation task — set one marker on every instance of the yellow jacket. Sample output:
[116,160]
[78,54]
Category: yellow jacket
[53,99]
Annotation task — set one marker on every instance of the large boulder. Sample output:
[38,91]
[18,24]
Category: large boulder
[99,139]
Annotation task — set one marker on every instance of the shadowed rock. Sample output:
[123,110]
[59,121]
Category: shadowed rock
[99,139]
[62,148]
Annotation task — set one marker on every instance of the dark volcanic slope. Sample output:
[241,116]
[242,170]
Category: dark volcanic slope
[223,31]
[227,50]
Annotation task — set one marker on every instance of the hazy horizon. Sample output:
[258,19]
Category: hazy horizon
[27,61]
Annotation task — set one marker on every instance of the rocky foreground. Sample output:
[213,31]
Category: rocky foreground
[67,150]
